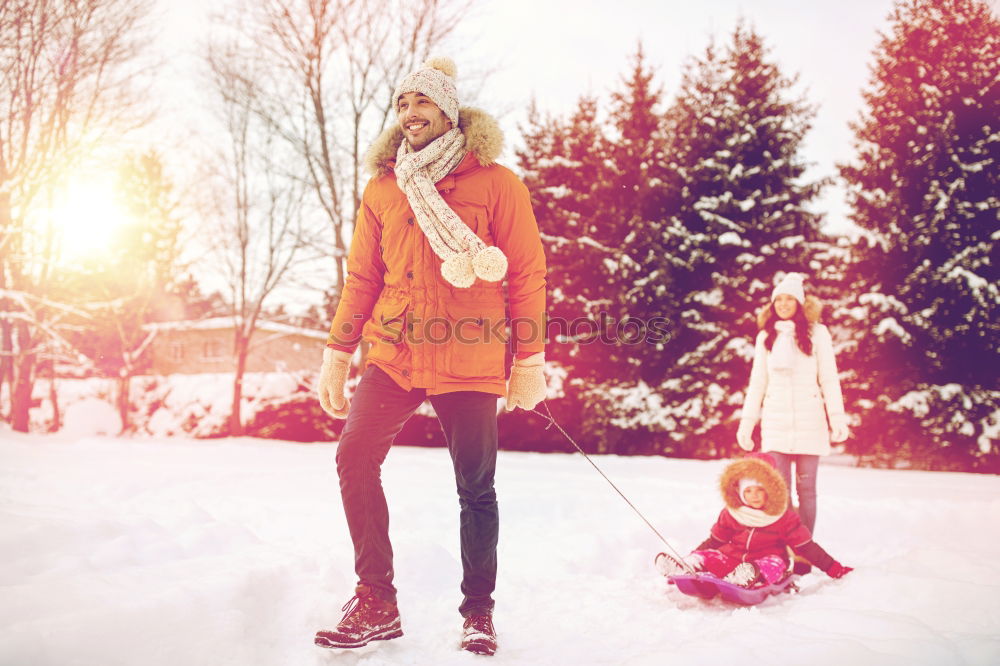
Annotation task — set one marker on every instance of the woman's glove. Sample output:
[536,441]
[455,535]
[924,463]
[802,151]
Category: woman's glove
[838,428]
[526,387]
[332,377]
[838,570]
[744,435]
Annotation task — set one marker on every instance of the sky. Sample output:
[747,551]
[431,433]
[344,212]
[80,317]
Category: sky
[555,51]
[234,552]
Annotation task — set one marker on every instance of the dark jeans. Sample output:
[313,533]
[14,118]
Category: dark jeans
[379,410]
[806,468]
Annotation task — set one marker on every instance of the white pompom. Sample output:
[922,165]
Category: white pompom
[457,270]
[490,264]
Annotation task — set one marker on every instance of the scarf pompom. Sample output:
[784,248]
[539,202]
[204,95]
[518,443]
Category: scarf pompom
[464,255]
[490,264]
[457,270]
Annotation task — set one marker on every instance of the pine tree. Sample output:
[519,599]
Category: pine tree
[564,167]
[732,214]
[634,148]
[590,183]
[562,163]
[925,184]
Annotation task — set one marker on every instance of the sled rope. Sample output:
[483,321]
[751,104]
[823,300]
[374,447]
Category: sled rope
[552,422]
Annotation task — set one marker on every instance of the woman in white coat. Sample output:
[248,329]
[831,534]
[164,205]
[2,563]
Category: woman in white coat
[794,391]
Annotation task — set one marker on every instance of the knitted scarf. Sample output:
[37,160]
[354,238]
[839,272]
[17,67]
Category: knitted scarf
[783,351]
[464,255]
[745,515]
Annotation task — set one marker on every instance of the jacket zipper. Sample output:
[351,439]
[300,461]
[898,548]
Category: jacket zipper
[746,552]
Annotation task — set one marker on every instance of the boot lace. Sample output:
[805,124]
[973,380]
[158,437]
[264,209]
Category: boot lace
[481,624]
[362,598]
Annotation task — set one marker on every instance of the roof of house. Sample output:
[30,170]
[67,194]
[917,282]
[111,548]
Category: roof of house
[222,323]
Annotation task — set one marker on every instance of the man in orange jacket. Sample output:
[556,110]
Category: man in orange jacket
[440,226]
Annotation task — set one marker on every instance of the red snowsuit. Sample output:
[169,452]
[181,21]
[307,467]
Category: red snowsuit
[733,541]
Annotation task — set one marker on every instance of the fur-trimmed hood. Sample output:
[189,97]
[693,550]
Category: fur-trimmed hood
[812,308]
[483,138]
[761,470]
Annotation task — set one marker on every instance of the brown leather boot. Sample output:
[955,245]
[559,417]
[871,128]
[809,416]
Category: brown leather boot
[367,618]
[479,635]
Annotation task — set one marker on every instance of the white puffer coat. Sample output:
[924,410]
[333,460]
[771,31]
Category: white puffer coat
[793,404]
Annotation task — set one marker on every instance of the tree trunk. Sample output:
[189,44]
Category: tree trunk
[6,362]
[6,327]
[124,385]
[235,419]
[54,399]
[20,400]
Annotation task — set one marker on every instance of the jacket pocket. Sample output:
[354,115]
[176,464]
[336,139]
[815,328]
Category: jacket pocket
[475,351]
[386,330]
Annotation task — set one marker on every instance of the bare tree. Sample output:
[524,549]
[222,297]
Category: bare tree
[264,237]
[333,64]
[304,84]
[68,80]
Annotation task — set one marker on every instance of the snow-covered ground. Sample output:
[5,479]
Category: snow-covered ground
[178,552]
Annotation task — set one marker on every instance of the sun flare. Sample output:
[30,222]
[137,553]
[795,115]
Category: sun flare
[86,215]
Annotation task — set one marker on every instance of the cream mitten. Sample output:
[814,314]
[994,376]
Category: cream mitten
[332,377]
[744,435]
[526,387]
[838,428]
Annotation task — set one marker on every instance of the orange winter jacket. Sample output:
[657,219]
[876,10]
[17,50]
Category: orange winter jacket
[424,332]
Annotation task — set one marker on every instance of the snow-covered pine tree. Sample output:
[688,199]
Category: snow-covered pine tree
[564,167]
[589,182]
[925,184]
[635,146]
[636,149]
[732,215]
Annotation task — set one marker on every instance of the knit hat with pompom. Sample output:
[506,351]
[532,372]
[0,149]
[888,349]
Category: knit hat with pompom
[436,79]
[464,256]
[791,285]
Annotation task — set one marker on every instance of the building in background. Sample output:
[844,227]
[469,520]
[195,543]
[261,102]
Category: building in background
[206,345]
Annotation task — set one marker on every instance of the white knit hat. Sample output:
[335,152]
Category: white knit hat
[791,285]
[436,79]
[748,482]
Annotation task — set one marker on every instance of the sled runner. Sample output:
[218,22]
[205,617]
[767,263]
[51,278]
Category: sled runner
[707,586]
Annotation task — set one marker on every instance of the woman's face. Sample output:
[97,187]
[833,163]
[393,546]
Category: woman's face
[785,305]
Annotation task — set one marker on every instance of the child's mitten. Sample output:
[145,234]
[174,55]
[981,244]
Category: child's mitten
[838,570]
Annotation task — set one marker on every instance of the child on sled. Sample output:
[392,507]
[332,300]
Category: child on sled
[749,543]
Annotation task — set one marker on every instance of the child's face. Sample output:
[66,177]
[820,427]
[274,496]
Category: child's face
[755,497]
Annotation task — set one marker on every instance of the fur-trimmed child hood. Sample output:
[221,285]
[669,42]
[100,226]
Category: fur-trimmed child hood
[483,138]
[812,308]
[758,467]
